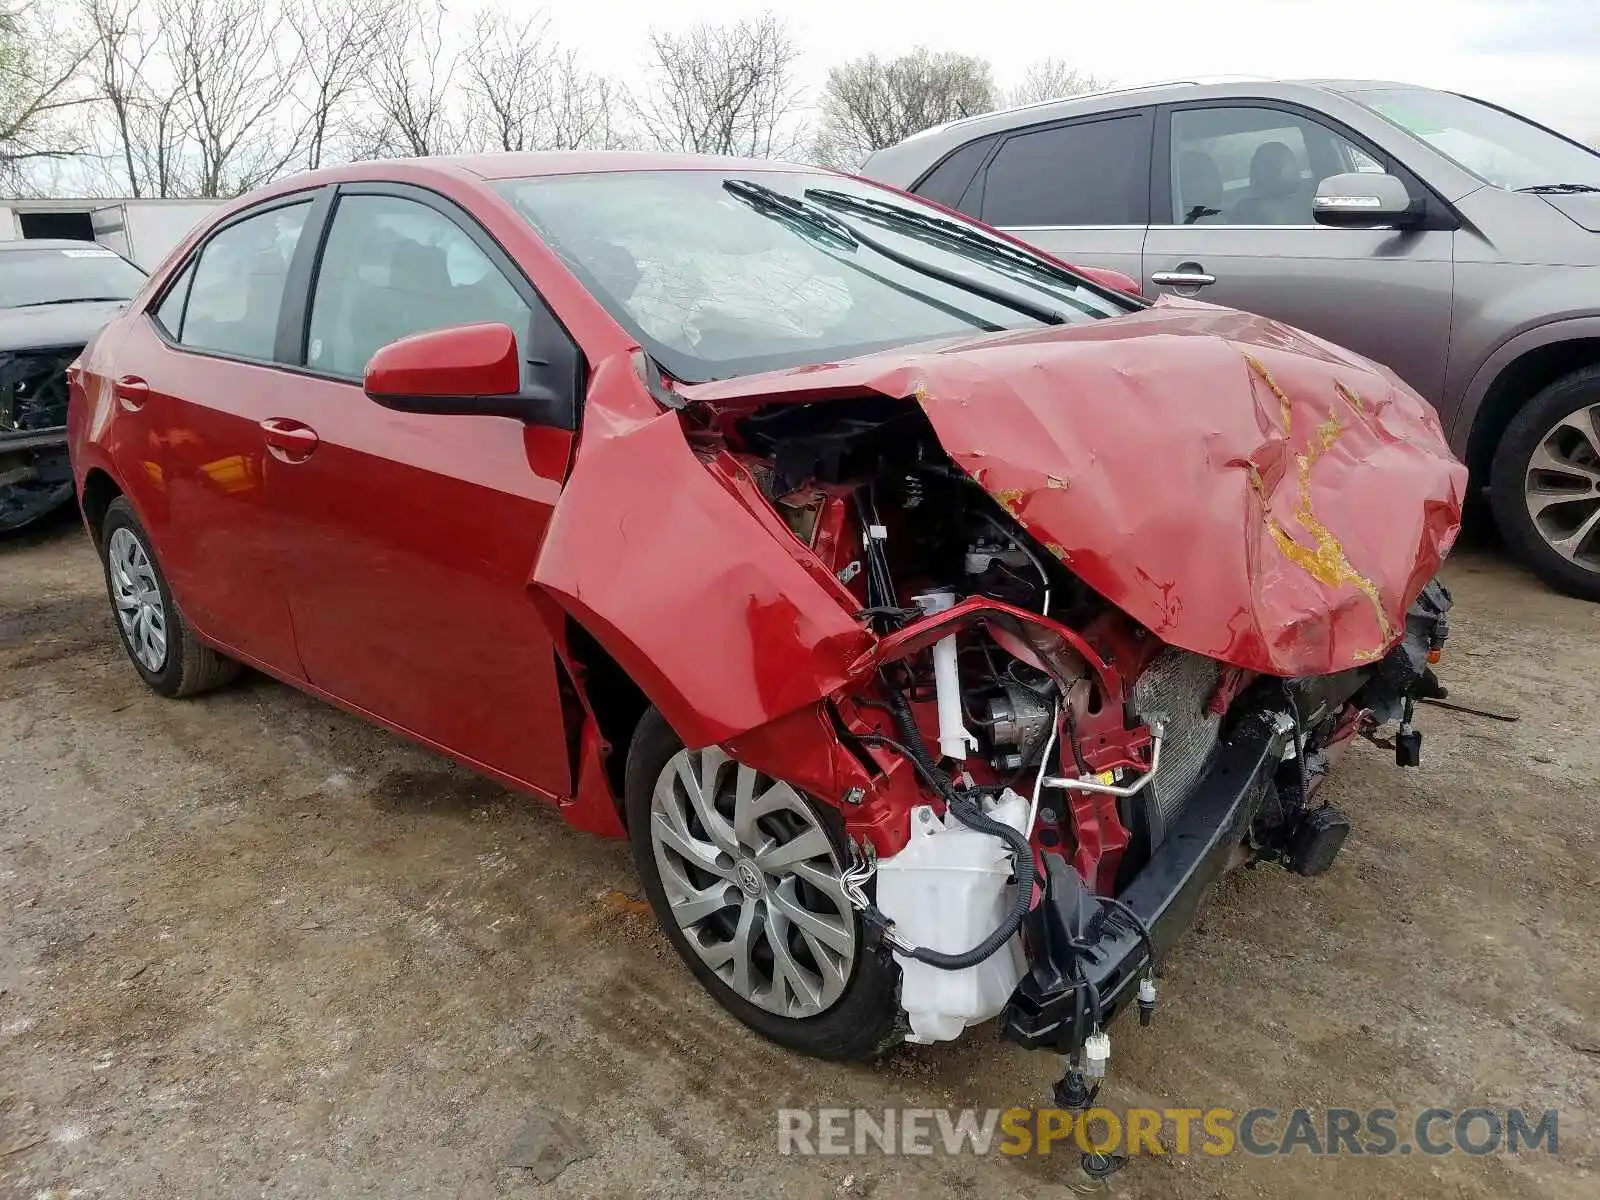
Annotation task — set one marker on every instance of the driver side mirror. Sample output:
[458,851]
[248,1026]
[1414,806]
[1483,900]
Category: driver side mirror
[1364,200]
[461,370]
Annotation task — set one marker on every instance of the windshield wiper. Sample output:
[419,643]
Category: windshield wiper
[766,199]
[69,300]
[945,228]
[1556,189]
[772,200]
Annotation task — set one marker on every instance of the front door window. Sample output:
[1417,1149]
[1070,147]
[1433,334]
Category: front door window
[1254,166]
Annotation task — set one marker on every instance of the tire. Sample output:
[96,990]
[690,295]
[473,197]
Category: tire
[1571,451]
[862,1020]
[186,666]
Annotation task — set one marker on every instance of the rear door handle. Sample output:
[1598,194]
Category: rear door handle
[1183,279]
[289,440]
[131,392]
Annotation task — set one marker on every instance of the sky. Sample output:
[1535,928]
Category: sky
[1541,57]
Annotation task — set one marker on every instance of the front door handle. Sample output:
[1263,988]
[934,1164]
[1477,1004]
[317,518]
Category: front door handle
[289,440]
[131,392]
[1185,275]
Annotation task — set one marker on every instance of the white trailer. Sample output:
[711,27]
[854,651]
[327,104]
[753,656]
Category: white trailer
[147,230]
[142,230]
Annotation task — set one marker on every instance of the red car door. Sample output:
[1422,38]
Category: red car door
[195,380]
[409,539]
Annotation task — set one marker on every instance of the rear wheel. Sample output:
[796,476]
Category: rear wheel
[743,873]
[160,644]
[1545,484]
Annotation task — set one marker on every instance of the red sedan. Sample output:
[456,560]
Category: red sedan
[937,621]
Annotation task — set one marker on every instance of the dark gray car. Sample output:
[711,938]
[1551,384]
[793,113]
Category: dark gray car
[1454,241]
[54,296]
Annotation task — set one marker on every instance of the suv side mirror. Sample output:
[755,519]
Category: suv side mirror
[465,370]
[1364,200]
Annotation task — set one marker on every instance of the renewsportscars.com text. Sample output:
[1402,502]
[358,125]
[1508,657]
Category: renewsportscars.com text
[1155,1131]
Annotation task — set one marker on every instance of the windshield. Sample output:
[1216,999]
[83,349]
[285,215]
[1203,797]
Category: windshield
[56,275]
[726,274]
[1496,146]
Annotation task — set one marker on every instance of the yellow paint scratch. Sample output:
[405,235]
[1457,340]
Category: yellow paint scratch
[1286,410]
[1009,498]
[1352,399]
[1326,561]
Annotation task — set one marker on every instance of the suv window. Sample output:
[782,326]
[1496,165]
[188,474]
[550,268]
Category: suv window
[1093,173]
[948,182]
[393,267]
[238,284]
[1253,166]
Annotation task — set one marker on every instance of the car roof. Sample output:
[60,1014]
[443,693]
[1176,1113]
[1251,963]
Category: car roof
[900,162]
[575,162]
[1149,93]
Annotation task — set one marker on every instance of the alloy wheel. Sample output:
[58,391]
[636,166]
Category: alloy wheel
[137,596]
[1562,487]
[753,883]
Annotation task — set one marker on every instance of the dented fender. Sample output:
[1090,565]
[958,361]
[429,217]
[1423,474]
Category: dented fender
[713,617]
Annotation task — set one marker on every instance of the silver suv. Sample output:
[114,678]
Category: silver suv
[1453,241]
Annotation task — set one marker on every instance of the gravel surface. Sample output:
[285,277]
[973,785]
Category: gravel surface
[251,946]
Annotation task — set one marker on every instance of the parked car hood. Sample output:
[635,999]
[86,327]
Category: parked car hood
[1583,208]
[1245,490]
[47,326]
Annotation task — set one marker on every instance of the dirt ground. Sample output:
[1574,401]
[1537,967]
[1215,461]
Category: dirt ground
[251,946]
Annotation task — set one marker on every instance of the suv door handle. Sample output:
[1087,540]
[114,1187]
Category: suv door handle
[131,392]
[289,440]
[1182,278]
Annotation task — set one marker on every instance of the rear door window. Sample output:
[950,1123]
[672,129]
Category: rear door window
[1088,173]
[393,267]
[237,289]
[170,311]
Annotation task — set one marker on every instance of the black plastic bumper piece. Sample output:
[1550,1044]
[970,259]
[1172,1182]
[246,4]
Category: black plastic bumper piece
[32,439]
[1086,955]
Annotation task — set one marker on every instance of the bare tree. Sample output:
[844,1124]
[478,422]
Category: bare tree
[408,83]
[1054,79]
[40,81]
[722,89]
[338,40]
[869,103]
[138,99]
[583,109]
[524,92]
[234,67]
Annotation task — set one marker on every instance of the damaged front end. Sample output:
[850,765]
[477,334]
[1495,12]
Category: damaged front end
[1061,646]
[35,475]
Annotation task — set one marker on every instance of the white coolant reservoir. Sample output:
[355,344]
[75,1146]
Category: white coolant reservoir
[948,891]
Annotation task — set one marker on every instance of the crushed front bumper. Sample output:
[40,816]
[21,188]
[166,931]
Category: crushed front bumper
[1087,954]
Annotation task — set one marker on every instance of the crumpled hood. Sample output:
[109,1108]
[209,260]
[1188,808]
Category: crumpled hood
[47,326]
[1244,490]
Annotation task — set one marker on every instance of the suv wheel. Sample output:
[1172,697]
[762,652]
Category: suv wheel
[743,873]
[1545,484]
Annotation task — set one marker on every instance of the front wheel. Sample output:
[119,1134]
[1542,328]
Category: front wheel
[743,873]
[1544,485]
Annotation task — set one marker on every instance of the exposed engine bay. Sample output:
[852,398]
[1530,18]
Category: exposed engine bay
[1038,749]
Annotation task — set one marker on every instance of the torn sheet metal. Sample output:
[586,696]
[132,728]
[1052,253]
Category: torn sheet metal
[715,619]
[1244,490]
